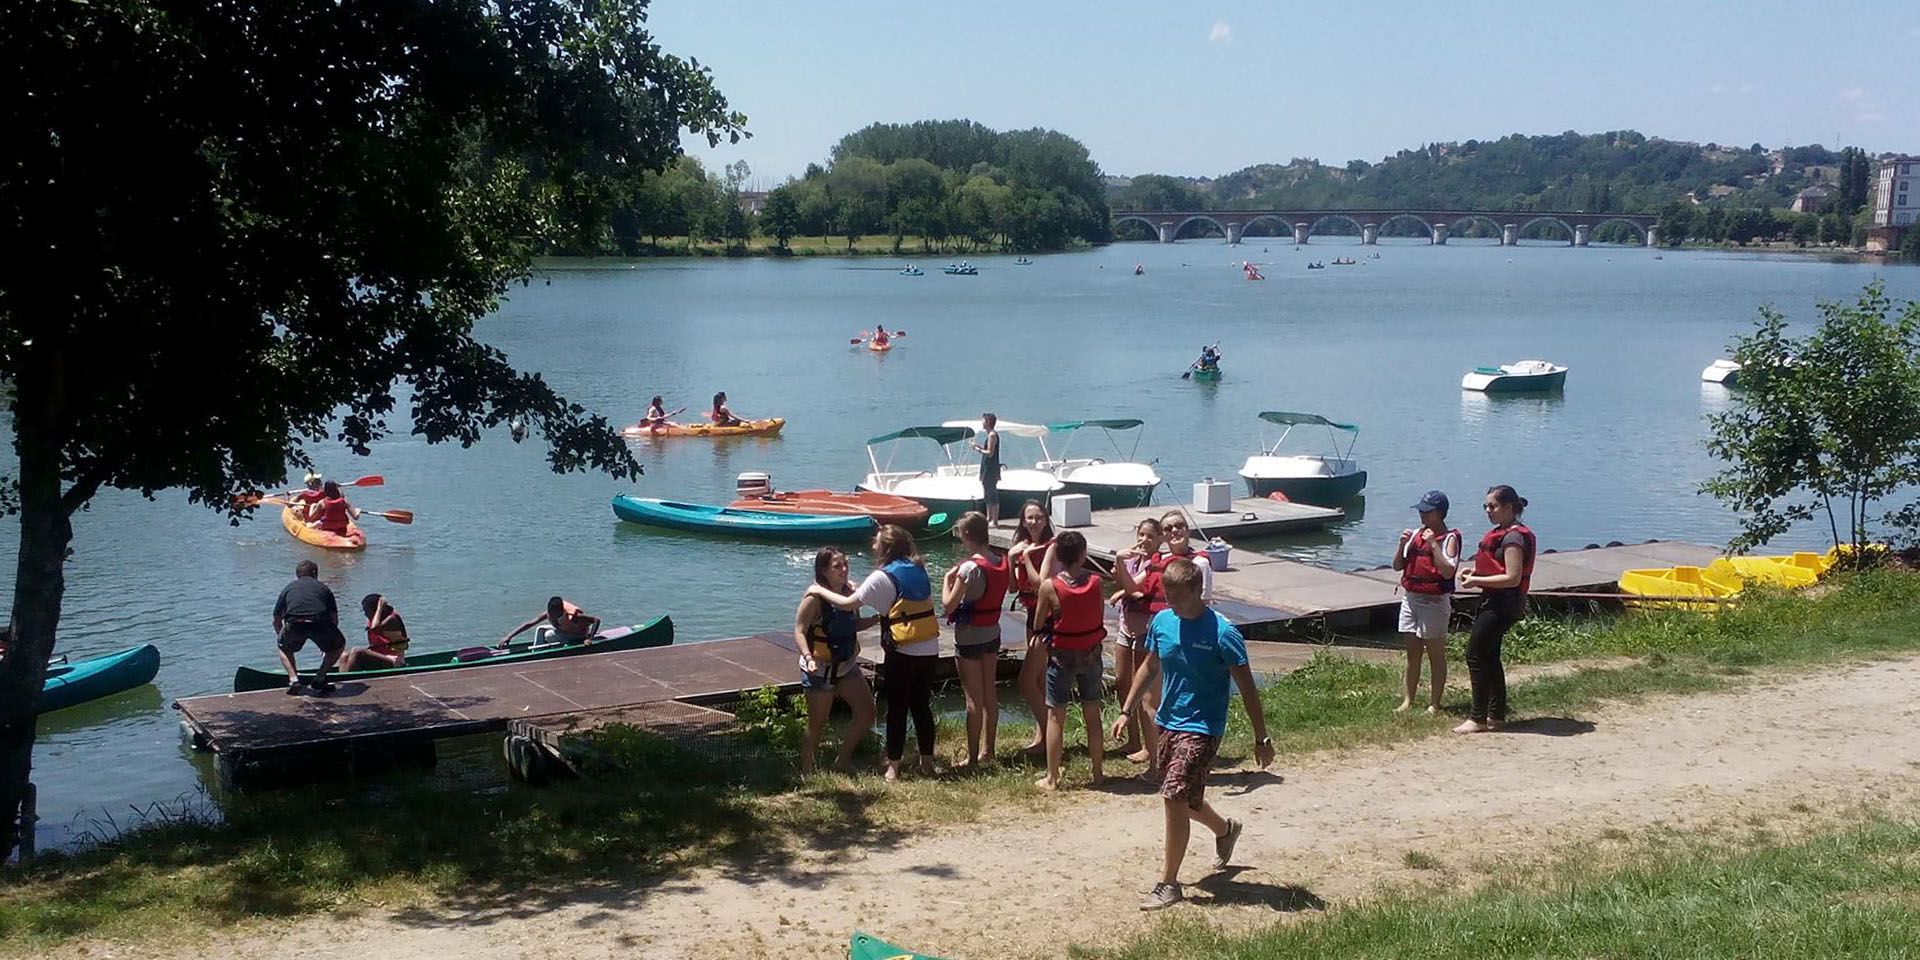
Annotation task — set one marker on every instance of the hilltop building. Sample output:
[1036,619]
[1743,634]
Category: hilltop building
[1896,205]
[1810,199]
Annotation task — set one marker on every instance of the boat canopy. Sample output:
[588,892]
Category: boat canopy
[972,427]
[941,435]
[1291,419]
[1102,424]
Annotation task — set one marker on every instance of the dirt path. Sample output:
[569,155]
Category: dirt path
[1322,830]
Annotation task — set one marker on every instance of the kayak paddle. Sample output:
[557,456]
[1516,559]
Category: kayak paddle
[397,516]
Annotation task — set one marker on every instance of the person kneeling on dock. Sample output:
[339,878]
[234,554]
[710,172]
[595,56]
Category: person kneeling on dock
[828,638]
[569,624]
[306,611]
[386,638]
[1196,651]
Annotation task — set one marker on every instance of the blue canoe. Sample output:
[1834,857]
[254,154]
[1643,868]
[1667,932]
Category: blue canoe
[704,518]
[72,684]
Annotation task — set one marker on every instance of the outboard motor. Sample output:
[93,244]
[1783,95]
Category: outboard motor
[752,484]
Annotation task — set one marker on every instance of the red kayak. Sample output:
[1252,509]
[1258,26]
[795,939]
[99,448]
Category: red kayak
[883,508]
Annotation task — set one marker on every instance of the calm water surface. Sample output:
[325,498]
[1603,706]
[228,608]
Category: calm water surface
[1381,344]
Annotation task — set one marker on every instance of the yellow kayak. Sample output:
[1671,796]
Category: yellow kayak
[356,539]
[751,428]
[1680,582]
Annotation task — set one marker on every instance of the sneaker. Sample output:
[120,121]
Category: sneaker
[322,687]
[294,688]
[1164,895]
[1223,844]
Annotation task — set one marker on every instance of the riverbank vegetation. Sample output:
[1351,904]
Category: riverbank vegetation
[648,809]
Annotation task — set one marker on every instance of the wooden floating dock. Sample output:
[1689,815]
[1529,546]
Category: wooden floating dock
[1112,530]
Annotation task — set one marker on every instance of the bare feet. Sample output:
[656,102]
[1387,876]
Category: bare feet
[1433,710]
[1140,756]
[1036,748]
[893,772]
[1099,779]
[963,763]
[1047,783]
[1472,726]
[1404,706]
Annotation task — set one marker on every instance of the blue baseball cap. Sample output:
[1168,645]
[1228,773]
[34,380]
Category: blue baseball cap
[1434,500]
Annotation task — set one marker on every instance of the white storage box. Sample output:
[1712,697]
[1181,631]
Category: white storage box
[752,484]
[1211,496]
[1072,510]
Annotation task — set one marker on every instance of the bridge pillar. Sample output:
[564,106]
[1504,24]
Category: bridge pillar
[1439,234]
[1580,235]
[1166,231]
[1369,234]
[1653,237]
[1233,232]
[1510,235]
[1300,233]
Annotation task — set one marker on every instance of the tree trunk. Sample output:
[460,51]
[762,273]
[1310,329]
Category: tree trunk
[39,584]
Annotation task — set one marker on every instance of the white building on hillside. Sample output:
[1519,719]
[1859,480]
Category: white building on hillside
[1895,204]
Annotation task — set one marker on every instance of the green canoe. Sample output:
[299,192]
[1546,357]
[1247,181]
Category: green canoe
[657,632]
[1206,374]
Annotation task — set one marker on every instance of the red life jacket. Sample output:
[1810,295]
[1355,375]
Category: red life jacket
[1081,622]
[379,641]
[986,610]
[1153,583]
[1487,560]
[310,496]
[333,515]
[1028,591]
[1420,575]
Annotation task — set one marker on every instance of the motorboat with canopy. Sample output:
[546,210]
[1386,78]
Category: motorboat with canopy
[1321,479]
[948,487]
[1112,484]
[1016,486]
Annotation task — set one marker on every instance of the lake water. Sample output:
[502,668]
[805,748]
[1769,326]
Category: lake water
[1382,344]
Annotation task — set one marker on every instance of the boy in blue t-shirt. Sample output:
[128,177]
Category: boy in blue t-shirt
[1198,652]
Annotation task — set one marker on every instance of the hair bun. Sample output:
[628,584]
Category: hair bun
[1523,503]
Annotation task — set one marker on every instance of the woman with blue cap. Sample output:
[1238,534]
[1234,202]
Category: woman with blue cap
[1427,559]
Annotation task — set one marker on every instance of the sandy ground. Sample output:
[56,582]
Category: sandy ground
[1320,830]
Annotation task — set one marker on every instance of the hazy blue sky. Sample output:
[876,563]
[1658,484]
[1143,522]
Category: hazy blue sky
[1203,89]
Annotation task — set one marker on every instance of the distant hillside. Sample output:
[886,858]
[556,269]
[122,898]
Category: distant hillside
[1622,171]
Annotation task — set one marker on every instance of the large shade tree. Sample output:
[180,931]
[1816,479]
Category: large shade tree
[230,229]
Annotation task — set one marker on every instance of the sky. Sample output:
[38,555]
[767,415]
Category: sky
[1196,89]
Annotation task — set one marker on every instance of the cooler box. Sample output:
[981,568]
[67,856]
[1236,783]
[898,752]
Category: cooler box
[1210,496]
[752,484]
[1072,510]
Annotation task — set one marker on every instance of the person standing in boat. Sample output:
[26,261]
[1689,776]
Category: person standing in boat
[570,623]
[1502,571]
[1033,559]
[333,513]
[973,594]
[827,637]
[386,638]
[909,633]
[306,611]
[1073,613]
[988,447]
[721,414]
[1428,559]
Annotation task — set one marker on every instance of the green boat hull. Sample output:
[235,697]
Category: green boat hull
[1317,491]
[1211,375]
[657,632]
[83,681]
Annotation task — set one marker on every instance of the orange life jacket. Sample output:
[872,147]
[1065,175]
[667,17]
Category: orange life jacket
[1487,561]
[1420,575]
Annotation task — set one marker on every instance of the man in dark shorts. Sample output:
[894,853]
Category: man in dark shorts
[306,611]
[989,450]
[1197,651]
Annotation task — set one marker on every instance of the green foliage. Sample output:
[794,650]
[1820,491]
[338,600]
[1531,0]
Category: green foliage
[1824,425]
[772,718]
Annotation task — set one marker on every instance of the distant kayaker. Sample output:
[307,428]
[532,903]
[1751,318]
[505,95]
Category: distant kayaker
[1427,559]
[570,623]
[386,638]
[828,638]
[1033,562]
[1502,570]
[910,635]
[880,337]
[1073,611]
[306,611]
[1209,358]
[333,513]
[656,415]
[973,594]
[988,446]
[721,415]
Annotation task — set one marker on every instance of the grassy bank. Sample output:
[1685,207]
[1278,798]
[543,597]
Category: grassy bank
[1850,893]
[651,810]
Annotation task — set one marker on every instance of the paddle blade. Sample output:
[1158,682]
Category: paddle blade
[856,341]
[373,480]
[397,516]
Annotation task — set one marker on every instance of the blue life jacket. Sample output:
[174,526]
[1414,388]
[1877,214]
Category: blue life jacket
[911,618]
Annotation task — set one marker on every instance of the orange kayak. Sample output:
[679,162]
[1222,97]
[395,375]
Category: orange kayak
[751,428]
[878,347]
[355,539]
[883,508]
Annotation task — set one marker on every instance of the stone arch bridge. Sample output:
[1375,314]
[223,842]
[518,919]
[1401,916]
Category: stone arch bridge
[1438,223]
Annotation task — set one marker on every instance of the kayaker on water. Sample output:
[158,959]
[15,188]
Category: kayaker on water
[989,449]
[830,662]
[333,513]
[1209,358]
[303,501]
[306,611]
[720,414]
[880,336]
[656,415]
[386,638]
[570,623]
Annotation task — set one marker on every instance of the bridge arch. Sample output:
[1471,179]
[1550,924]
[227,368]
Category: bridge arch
[1281,226]
[1388,221]
[1199,218]
[1639,229]
[1314,227]
[1152,227]
[1494,226]
[1525,225]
